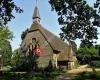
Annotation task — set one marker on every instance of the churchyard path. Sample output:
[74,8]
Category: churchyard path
[71,74]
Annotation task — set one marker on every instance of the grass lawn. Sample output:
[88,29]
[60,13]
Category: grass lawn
[14,76]
[88,76]
[6,75]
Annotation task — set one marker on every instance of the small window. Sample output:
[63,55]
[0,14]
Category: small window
[33,40]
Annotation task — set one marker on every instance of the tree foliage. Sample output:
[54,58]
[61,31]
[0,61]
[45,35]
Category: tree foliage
[24,33]
[78,18]
[87,51]
[6,9]
[15,57]
[5,47]
[6,14]
[86,54]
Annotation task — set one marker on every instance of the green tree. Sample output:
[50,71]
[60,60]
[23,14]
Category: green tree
[86,54]
[78,19]
[6,9]
[98,48]
[6,14]
[15,57]
[5,37]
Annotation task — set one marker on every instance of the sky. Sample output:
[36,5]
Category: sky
[24,20]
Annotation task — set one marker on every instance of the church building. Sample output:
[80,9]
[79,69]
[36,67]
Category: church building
[50,47]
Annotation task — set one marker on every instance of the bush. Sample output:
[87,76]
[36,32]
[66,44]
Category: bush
[96,64]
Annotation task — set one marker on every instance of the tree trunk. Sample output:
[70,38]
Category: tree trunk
[93,67]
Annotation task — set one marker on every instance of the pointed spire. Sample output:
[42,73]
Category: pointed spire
[36,15]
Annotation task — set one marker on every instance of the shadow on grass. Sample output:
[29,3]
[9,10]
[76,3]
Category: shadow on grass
[27,76]
[88,75]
